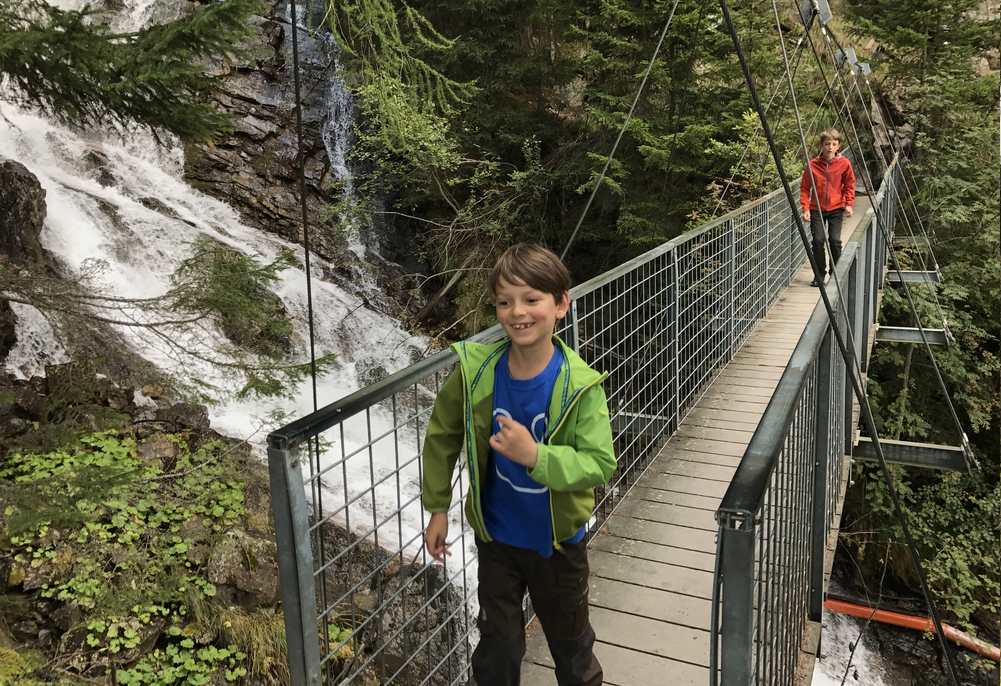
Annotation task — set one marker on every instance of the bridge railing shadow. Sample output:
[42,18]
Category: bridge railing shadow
[782,504]
[361,598]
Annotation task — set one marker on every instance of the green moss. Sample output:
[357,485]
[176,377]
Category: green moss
[121,539]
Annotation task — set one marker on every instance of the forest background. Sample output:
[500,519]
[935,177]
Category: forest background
[487,122]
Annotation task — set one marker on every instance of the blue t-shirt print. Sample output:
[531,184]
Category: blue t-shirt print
[515,506]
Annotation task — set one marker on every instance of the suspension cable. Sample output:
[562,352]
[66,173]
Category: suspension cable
[622,130]
[818,269]
[968,455]
[872,127]
[831,36]
[865,409]
[894,138]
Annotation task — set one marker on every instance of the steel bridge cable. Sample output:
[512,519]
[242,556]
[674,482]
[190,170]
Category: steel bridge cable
[818,269]
[771,101]
[907,222]
[830,35]
[968,455]
[884,110]
[313,444]
[865,409]
[622,131]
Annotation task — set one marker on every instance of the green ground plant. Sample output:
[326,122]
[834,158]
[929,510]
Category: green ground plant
[119,542]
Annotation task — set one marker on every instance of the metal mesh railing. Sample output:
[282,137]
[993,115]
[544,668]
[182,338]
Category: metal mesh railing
[361,598]
[782,503]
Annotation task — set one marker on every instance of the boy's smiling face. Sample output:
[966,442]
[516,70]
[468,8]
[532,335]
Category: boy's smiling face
[528,315]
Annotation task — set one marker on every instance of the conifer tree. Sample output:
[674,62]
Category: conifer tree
[75,68]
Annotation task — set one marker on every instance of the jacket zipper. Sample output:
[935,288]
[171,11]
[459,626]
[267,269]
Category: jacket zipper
[471,456]
[549,441]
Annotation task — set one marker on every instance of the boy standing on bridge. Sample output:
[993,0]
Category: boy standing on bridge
[533,419]
[835,182]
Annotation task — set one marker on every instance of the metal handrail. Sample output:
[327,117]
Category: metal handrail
[347,505]
[776,513]
[294,433]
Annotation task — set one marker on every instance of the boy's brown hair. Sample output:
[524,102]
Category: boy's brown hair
[830,134]
[533,265]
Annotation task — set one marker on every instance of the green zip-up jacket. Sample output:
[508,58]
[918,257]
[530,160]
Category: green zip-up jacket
[576,456]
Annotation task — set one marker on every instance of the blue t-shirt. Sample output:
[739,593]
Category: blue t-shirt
[515,506]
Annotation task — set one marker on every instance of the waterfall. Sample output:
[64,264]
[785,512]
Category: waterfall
[121,218]
[318,51]
[840,633]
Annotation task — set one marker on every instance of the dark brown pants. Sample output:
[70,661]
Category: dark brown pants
[558,589]
[834,220]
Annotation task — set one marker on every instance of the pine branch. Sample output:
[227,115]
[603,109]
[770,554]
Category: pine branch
[76,70]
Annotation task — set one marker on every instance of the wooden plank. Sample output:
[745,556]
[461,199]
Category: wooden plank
[654,551]
[669,453]
[748,387]
[537,675]
[665,534]
[708,422]
[685,484]
[700,470]
[625,667]
[732,404]
[668,513]
[685,610]
[754,415]
[659,495]
[731,435]
[651,574]
[738,372]
[707,445]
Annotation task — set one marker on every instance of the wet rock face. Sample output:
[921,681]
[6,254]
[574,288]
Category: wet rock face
[255,168]
[22,213]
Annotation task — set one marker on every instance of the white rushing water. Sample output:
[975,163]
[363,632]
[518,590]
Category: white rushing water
[119,210]
[864,666]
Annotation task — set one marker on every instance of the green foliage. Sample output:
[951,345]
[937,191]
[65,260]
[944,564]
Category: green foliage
[235,288]
[73,67]
[953,518]
[220,281]
[931,70]
[404,98]
[121,542]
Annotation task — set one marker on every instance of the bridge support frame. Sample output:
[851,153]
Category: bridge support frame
[737,620]
[823,421]
[295,565]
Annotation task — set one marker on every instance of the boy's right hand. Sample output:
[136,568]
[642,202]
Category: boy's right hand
[806,215]
[435,536]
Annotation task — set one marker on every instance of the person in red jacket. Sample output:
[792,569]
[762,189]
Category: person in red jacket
[835,191]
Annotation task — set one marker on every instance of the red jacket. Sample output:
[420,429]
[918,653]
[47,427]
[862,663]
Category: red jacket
[835,184]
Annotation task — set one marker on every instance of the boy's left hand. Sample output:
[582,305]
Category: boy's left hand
[849,210]
[515,442]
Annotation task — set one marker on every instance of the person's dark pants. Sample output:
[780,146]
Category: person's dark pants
[558,588]
[833,220]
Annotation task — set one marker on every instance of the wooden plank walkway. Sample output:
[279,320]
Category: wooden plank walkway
[652,562]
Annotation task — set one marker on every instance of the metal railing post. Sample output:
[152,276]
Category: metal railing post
[737,613]
[869,295]
[574,333]
[732,275]
[855,295]
[676,357]
[768,274]
[821,448]
[295,565]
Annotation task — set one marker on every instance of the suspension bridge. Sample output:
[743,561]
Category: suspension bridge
[736,392]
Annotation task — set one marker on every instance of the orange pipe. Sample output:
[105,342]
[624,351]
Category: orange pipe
[916,623]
